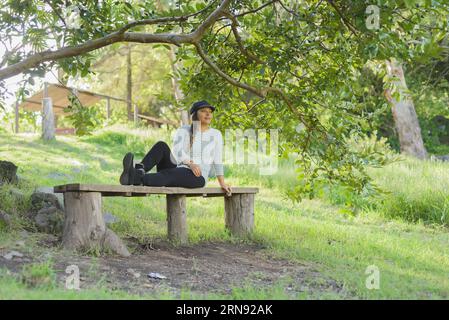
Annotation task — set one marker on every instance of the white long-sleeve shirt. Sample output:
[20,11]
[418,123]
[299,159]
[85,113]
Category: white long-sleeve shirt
[206,151]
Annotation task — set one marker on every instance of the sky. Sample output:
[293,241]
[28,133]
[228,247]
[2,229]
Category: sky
[13,83]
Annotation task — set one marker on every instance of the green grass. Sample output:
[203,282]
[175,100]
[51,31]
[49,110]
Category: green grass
[13,288]
[404,232]
[418,191]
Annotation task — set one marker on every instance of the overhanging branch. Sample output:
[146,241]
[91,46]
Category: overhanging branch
[262,92]
[343,18]
[118,36]
[239,40]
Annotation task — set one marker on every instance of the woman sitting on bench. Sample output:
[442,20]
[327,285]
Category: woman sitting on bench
[197,148]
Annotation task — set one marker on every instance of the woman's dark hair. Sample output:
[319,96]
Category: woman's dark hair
[194,118]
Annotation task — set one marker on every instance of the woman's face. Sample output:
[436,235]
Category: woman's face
[205,115]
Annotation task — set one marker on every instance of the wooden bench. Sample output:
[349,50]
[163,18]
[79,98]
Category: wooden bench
[84,226]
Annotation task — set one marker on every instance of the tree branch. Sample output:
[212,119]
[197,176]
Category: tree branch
[9,53]
[210,20]
[228,78]
[118,36]
[343,18]
[164,19]
[56,11]
[262,93]
[256,9]
[239,40]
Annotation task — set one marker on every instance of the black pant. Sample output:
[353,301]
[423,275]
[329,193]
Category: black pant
[168,175]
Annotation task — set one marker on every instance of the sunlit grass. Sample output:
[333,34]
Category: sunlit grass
[402,232]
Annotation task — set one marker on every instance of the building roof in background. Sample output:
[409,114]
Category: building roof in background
[59,94]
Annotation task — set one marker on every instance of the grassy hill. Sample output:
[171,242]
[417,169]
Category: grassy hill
[403,233]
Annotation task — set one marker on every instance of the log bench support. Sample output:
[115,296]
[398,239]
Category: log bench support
[239,214]
[84,226]
[177,218]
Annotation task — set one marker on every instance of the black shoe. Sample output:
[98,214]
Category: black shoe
[138,177]
[139,166]
[127,176]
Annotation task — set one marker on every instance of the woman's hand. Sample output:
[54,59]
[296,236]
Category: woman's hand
[195,169]
[226,188]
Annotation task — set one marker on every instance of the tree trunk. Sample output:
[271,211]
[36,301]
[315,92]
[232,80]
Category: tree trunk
[129,84]
[404,114]
[179,95]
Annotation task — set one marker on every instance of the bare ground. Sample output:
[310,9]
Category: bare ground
[209,267]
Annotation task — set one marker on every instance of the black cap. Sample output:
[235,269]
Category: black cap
[200,104]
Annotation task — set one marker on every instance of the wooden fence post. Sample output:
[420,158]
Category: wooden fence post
[16,129]
[48,118]
[135,114]
[108,108]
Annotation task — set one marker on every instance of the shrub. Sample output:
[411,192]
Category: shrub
[429,207]
[84,119]
[416,190]
[39,275]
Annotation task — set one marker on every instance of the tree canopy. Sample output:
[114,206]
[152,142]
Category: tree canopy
[291,65]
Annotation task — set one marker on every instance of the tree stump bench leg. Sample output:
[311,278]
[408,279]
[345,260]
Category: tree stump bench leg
[239,214]
[84,227]
[177,218]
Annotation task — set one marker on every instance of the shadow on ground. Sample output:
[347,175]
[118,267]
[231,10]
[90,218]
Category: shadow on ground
[202,269]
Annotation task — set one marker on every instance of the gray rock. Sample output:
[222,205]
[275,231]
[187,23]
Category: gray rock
[5,218]
[59,176]
[444,158]
[10,255]
[109,218]
[8,172]
[47,195]
[50,220]
[47,210]
[82,168]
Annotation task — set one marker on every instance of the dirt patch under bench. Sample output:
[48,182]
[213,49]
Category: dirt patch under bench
[204,268]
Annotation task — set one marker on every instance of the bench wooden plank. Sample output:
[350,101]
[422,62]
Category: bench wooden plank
[119,190]
[83,205]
